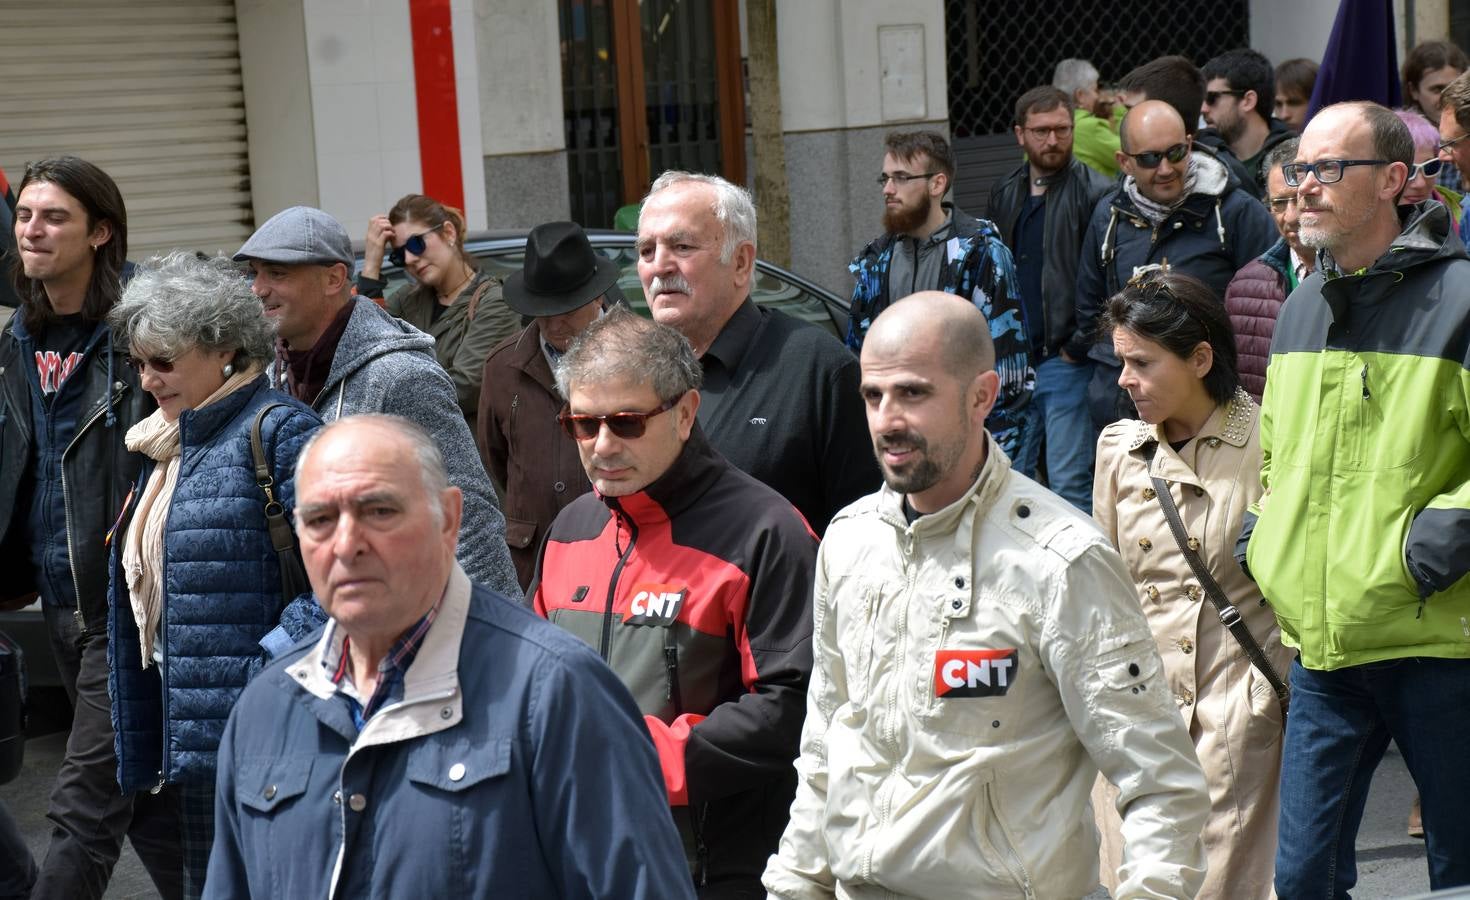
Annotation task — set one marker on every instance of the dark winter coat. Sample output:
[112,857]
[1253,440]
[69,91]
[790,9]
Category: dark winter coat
[1253,299]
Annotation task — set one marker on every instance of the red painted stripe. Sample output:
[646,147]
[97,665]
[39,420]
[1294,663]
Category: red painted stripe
[438,106]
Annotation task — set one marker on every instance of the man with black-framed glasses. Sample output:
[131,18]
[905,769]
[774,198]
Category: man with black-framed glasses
[1175,205]
[929,244]
[693,581]
[1454,128]
[1361,543]
[1042,208]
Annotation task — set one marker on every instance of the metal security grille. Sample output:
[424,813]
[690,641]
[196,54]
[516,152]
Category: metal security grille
[151,92]
[998,50]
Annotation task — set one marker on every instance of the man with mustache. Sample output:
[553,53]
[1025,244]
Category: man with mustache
[1256,293]
[1043,209]
[979,655]
[1361,542]
[780,395]
[693,581]
[928,244]
[1175,205]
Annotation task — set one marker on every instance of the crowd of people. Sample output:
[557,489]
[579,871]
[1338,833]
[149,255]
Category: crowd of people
[1114,541]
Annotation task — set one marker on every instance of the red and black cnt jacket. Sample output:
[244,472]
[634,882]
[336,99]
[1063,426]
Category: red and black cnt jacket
[697,591]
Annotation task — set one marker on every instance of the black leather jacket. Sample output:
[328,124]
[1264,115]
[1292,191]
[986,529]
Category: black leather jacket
[97,470]
[1069,206]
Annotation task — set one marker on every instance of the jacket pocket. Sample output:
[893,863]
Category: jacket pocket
[519,533]
[267,786]
[1128,686]
[855,631]
[997,841]
[457,767]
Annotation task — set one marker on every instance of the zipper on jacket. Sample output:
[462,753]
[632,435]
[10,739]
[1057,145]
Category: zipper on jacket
[1006,852]
[1366,394]
[605,648]
[671,671]
[71,550]
[701,849]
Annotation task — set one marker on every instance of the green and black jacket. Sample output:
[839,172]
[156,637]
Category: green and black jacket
[1362,541]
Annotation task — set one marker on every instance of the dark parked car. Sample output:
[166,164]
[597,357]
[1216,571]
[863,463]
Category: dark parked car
[503,252]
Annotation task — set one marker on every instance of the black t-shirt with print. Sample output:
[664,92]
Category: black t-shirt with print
[59,351]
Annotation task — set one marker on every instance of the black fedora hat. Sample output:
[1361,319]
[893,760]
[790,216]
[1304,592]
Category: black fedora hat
[561,273]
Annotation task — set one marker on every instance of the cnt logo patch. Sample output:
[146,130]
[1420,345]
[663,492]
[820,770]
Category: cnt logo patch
[655,604]
[973,673]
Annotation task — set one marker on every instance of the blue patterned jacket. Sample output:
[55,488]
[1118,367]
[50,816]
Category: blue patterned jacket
[978,265]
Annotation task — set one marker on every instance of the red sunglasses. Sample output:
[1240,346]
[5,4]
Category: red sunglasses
[626,425]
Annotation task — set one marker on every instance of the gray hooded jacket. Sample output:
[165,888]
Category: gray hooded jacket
[384,365]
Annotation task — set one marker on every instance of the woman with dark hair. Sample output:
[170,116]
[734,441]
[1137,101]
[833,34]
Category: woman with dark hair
[1194,457]
[198,602]
[451,299]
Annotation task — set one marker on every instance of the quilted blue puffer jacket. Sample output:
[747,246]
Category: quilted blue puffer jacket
[222,603]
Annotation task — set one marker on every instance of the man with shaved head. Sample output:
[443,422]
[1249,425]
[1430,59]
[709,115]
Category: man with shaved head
[1175,205]
[978,656]
[1361,543]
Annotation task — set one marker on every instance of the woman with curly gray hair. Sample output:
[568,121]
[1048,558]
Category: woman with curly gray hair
[197,602]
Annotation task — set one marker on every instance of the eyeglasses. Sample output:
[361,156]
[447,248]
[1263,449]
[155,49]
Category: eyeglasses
[1328,171]
[415,245]
[1059,131]
[1150,159]
[156,363]
[1446,145]
[901,179]
[1429,169]
[1279,204]
[626,425]
[1213,97]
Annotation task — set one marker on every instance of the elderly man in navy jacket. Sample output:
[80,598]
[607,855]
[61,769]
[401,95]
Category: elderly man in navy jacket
[435,740]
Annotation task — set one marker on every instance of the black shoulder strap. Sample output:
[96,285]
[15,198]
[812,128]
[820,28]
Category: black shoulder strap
[294,581]
[1229,615]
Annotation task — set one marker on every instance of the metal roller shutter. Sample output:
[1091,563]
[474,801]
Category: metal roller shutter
[149,90]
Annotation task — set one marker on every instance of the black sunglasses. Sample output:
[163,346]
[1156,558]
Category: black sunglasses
[1150,159]
[1213,97]
[156,363]
[626,425]
[415,245]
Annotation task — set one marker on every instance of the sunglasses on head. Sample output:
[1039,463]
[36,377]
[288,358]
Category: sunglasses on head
[156,363]
[1150,159]
[626,425]
[415,245]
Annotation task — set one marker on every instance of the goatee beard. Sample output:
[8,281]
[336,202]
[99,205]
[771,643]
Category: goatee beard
[904,219]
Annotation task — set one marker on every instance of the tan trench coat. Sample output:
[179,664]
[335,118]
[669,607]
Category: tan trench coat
[1232,714]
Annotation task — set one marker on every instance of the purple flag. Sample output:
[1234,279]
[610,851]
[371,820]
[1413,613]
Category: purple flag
[1361,61]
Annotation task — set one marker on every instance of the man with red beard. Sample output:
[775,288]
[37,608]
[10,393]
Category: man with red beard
[928,244]
[1043,208]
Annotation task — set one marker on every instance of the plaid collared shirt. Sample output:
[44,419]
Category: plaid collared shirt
[391,669]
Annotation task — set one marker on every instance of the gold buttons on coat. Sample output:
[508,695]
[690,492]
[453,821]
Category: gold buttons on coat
[1145,544]
[1186,645]
[1148,494]
[1153,593]
[1193,544]
[1186,697]
[1199,491]
[1192,592]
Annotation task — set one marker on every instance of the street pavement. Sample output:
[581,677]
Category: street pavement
[1390,863]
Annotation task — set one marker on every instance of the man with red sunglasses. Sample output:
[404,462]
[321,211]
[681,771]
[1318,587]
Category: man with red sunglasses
[1175,205]
[693,581]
